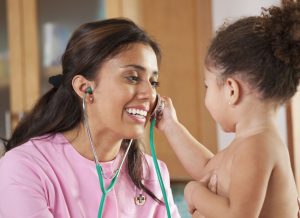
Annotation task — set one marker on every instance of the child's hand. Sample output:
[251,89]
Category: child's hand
[196,214]
[210,181]
[213,183]
[168,115]
[299,207]
[188,191]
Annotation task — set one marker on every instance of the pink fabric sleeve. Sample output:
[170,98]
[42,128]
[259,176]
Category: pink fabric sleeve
[22,192]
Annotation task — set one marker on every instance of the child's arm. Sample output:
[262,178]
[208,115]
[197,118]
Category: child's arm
[199,198]
[251,170]
[299,207]
[193,155]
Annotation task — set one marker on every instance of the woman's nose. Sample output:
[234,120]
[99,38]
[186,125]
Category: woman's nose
[147,91]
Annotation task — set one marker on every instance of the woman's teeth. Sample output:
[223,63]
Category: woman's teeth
[139,112]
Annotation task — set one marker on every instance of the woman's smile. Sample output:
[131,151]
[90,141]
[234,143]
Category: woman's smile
[138,114]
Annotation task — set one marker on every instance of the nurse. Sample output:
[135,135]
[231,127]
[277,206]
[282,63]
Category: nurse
[49,168]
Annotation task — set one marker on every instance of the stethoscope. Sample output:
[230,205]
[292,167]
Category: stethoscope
[105,191]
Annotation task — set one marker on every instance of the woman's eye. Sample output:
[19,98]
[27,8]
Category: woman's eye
[133,79]
[155,84]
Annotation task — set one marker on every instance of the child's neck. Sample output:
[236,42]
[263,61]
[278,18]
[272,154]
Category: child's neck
[256,121]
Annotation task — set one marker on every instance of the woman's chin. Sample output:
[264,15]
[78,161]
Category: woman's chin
[136,134]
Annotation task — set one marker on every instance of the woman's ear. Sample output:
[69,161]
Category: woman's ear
[233,91]
[80,85]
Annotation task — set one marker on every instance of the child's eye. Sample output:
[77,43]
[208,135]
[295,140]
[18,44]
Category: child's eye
[155,84]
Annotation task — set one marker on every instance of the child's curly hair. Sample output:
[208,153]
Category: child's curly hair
[263,50]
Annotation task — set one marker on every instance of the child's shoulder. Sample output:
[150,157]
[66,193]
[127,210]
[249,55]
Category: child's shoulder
[262,147]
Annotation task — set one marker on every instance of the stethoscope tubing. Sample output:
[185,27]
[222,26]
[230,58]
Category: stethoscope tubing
[157,169]
[99,170]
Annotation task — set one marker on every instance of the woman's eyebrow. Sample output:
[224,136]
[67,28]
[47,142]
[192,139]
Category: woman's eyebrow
[139,68]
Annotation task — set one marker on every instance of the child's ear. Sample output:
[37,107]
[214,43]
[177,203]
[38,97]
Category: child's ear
[233,91]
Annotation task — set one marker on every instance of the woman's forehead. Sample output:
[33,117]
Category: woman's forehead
[139,56]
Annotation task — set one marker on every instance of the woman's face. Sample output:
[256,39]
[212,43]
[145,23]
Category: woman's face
[125,93]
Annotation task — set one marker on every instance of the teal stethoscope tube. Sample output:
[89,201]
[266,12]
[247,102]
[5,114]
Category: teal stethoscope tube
[103,189]
[161,183]
[111,185]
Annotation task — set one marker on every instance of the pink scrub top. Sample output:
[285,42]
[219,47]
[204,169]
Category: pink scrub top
[47,177]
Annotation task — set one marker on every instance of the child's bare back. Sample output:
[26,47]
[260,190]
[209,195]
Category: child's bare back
[263,152]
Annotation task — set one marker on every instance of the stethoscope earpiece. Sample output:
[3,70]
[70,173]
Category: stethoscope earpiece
[89,90]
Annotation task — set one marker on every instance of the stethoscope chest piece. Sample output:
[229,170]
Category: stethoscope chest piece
[140,200]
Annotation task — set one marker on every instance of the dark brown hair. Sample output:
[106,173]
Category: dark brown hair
[60,110]
[264,50]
